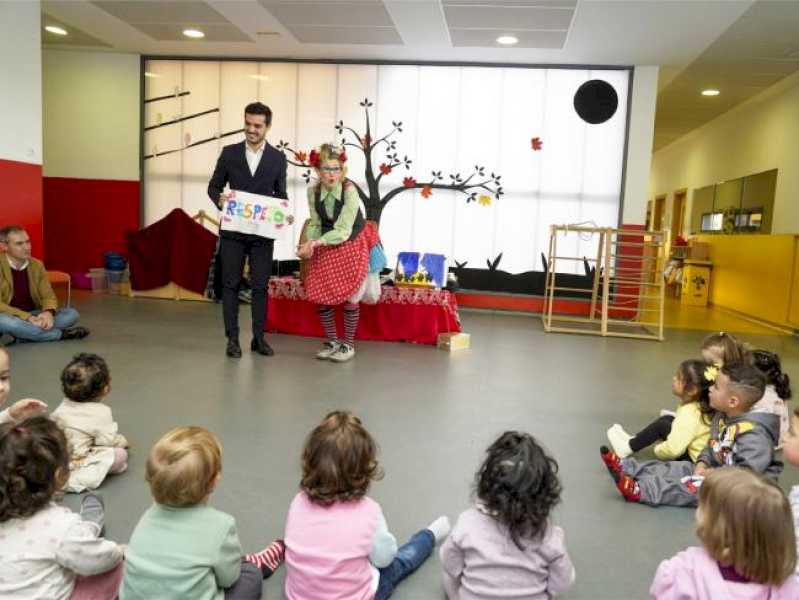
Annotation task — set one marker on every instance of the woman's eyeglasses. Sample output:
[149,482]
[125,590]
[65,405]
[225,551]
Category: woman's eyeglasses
[330,169]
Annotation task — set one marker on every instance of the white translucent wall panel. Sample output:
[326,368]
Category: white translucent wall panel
[355,82]
[399,100]
[277,88]
[201,79]
[517,212]
[453,119]
[162,174]
[478,140]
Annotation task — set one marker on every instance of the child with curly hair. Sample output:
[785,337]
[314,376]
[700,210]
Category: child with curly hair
[337,542]
[778,390]
[48,550]
[506,546]
[96,446]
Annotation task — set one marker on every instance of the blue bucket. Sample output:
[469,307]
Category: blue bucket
[115,261]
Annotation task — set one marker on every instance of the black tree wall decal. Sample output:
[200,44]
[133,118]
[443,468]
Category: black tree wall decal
[371,197]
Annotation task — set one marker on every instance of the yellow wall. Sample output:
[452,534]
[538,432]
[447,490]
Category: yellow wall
[759,135]
[754,275]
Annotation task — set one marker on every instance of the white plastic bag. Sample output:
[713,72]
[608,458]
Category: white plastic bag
[372,291]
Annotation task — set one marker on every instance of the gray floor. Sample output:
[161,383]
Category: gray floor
[432,413]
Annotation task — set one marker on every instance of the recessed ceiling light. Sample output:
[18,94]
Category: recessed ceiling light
[260,77]
[56,30]
[148,74]
[193,33]
[710,92]
[507,40]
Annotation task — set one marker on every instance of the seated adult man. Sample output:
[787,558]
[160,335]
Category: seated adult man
[28,307]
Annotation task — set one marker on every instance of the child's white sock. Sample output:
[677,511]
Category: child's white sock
[440,528]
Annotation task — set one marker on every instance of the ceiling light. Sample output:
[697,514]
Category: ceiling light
[710,92]
[193,33]
[148,74]
[260,77]
[56,30]
[507,40]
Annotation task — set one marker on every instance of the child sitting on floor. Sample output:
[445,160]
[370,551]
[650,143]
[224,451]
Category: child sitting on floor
[49,551]
[791,452]
[96,446]
[337,542]
[748,547]
[778,390]
[724,349]
[684,435]
[506,545]
[738,437]
[181,547]
[21,409]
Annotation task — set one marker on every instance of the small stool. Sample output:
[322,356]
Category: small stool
[61,277]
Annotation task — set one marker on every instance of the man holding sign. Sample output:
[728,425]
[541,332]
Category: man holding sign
[251,213]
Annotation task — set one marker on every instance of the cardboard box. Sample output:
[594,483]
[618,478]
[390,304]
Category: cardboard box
[453,341]
[699,251]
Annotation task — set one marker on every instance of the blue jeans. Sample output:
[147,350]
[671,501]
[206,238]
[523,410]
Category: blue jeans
[25,331]
[409,558]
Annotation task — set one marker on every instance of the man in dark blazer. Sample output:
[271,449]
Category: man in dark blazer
[256,167]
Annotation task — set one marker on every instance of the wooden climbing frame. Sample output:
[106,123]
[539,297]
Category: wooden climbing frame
[627,290]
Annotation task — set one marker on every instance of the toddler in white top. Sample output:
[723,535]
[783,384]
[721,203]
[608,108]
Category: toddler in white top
[47,550]
[95,444]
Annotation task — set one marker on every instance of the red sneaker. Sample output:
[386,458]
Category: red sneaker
[612,462]
[629,488]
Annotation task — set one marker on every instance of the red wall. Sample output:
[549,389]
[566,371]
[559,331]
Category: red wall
[85,218]
[21,201]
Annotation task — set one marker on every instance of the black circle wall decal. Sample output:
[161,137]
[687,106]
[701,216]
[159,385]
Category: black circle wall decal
[596,101]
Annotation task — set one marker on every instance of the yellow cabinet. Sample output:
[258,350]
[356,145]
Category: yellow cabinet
[695,282]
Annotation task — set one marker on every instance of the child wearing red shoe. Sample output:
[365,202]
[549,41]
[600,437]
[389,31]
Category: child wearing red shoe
[748,545]
[738,437]
[506,546]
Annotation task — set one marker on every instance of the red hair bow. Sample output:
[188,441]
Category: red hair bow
[342,157]
[313,159]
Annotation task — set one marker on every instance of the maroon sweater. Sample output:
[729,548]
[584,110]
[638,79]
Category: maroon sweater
[22,292]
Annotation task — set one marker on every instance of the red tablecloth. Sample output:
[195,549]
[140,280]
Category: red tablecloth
[402,315]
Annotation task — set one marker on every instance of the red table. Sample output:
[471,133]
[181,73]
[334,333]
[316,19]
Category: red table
[413,315]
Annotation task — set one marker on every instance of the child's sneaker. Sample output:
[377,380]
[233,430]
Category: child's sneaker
[344,353]
[328,350]
[612,462]
[620,441]
[629,488]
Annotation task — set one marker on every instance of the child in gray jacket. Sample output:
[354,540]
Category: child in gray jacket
[738,437]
